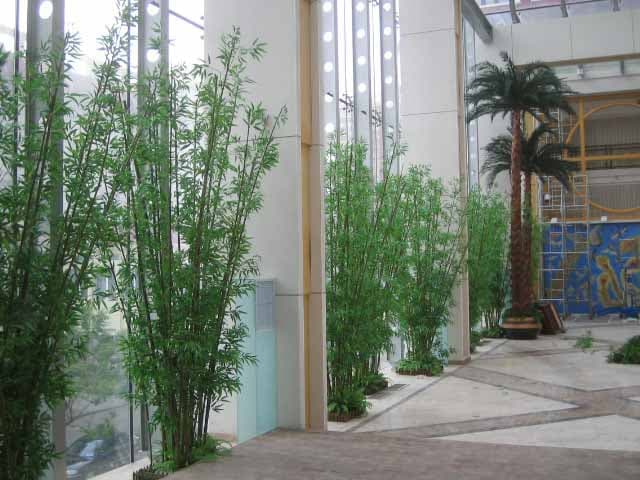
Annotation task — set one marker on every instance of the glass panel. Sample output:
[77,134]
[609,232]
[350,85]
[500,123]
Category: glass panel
[90,21]
[7,26]
[589,8]
[499,19]
[567,72]
[186,32]
[192,10]
[97,416]
[602,69]
[540,14]
[629,4]
[632,67]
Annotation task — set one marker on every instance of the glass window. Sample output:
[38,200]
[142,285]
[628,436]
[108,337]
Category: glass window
[97,415]
[7,26]
[589,8]
[186,32]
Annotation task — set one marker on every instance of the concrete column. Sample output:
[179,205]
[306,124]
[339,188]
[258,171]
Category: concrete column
[288,232]
[432,112]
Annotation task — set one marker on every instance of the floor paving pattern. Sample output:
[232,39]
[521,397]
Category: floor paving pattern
[529,410]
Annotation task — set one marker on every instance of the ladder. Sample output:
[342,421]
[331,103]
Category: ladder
[565,263]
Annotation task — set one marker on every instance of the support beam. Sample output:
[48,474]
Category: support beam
[472,13]
[563,8]
[388,12]
[514,12]
[360,31]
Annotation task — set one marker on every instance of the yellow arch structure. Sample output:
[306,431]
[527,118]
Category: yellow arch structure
[580,124]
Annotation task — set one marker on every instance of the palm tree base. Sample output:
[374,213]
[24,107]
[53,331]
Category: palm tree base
[521,328]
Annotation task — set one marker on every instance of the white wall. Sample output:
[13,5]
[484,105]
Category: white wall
[277,229]
[575,38]
[432,112]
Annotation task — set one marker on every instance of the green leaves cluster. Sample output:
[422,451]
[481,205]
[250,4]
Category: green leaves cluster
[487,262]
[158,199]
[628,353]
[363,245]
[179,250]
[395,251]
[60,174]
[435,230]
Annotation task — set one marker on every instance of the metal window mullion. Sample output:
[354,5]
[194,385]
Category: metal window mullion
[148,25]
[329,76]
[361,73]
[472,127]
[389,67]
[39,32]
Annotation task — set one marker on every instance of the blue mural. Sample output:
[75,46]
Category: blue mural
[603,267]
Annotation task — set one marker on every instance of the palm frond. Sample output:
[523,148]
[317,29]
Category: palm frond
[542,159]
[502,89]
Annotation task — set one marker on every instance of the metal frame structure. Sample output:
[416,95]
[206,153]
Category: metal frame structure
[579,128]
[359,72]
[514,8]
[566,217]
[389,68]
[329,79]
[360,38]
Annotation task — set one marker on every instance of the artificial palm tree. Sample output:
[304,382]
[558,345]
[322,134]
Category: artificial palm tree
[504,90]
[540,156]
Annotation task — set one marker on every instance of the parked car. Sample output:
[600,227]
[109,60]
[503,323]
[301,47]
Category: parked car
[89,456]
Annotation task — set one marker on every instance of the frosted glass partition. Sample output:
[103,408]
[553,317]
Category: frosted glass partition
[257,410]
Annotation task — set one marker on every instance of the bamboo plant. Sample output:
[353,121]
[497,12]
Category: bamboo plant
[59,177]
[198,152]
[435,231]
[488,251]
[363,246]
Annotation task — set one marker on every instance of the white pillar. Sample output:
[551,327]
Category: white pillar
[432,112]
[288,232]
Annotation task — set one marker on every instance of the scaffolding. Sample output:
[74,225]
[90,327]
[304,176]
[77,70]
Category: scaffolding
[565,255]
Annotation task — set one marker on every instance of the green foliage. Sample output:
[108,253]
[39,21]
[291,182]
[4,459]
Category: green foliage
[374,382]
[541,156]
[492,332]
[434,228]
[585,341]
[364,245]
[61,170]
[198,151]
[487,261]
[429,365]
[533,88]
[351,403]
[629,353]
[209,450]
[475,340]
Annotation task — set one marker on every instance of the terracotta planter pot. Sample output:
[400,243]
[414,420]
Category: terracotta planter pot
[521,328]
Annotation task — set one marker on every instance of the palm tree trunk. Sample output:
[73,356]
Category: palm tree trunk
[518,255]
[527,237]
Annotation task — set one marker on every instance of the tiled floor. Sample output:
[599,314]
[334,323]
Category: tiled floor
[541,409]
